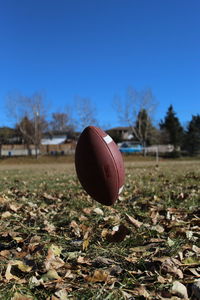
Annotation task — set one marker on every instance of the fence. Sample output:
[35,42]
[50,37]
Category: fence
[22,150]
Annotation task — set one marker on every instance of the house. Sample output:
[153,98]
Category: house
[54,140]
[57,144]
[120,133]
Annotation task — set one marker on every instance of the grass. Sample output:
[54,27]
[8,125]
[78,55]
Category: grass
[43,205]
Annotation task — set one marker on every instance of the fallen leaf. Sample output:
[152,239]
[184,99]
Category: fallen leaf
[9,276]
[49,197]
[6,215]
[103,261]
[154,216]
[21,266]
[158,228]
[3,200]
[69,274]
[98,211]
[62,294]
[132,259]
[49,227]
[87,210]
[168,266]
[33,281]
[18,296]
[100,276]
[141,291]
[191,261]
[170,242]
[161,279]
[133,221]
[51,275]
[83,260]
[5,253]
[56,250]
[53,261]
[196,249]
[85,244]
[104,232]
[75,228]
[179,289]
[14,207]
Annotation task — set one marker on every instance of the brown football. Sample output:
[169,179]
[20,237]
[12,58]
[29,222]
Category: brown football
[99,165]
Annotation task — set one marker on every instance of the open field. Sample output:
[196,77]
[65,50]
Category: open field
[56,243]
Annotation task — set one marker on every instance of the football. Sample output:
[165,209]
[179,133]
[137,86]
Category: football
[99,165]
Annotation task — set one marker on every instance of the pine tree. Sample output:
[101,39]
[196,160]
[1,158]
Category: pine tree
[192,136]
[172,129]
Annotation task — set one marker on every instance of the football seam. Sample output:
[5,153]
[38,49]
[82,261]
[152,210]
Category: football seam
[112,159]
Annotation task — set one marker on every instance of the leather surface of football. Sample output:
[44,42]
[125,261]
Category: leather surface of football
[99,165]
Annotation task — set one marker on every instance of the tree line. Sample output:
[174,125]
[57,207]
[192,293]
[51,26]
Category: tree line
[136,111]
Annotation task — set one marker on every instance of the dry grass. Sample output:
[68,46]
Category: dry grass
[56,244]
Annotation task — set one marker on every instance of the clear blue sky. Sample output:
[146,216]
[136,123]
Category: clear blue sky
[97,48]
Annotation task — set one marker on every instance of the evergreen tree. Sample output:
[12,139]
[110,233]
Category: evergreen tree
[172,129]
[192,136]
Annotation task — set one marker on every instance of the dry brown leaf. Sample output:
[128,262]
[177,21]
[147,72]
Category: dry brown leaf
[98,211]
[49,197]
[133,221]
[86,239]
[85,244]
[69,274]
[104,232]
[154,216]
[5,253]
[83,218]
[156,240]
[161,279]
[53,261]
[87,210]
[14,207]
[75,228]
[132,259]
[51,275]
[168,266]
[9,276]
[158,228]
[3,200]
[49,227]
[103,261]
[6,215]
[196,249]
[83,260]
[179,289]
[100,276]
[141,291]
[21,265]
[62,294]
[18,296]
[118,236]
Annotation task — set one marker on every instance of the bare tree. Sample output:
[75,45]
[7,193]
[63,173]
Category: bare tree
[29,115]
[136,112]
[62,121]
[86,112]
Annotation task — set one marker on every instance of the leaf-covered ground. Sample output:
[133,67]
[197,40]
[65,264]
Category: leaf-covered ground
[56,243]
